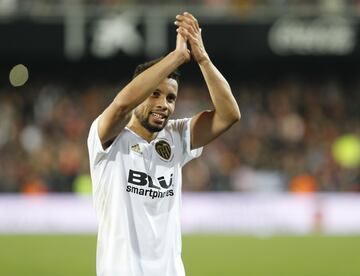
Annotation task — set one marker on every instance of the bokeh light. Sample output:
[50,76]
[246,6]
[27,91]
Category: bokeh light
[346,150]
[19,75]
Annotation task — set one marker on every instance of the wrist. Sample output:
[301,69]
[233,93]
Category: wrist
[180,56]
[204,61]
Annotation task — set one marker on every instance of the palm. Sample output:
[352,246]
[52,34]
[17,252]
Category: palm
[181,45]
[190,30]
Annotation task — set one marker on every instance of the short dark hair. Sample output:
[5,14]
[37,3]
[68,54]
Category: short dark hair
[142,67]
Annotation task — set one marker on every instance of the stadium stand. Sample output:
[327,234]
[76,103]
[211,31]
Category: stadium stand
[299,130]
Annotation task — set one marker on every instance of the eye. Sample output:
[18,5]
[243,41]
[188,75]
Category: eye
[156,94]
[171,98]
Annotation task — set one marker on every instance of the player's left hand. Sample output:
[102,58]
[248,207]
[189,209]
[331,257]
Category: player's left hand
[188,27]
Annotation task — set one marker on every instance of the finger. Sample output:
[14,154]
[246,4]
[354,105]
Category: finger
[184,25]
[193,19]
[189,36]
[187,26]
[182,34]
[185,33]
[188,20]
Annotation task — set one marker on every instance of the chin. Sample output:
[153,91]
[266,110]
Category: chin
[154,127]
[158,128]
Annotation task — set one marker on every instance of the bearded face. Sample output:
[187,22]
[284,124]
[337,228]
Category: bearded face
[153,121]
[153,114]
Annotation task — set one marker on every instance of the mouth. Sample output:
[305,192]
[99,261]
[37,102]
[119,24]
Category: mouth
[158,117]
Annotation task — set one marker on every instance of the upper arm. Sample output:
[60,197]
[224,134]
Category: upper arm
[206,126]
[111,122]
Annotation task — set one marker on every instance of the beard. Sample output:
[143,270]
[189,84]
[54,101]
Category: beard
[145,122]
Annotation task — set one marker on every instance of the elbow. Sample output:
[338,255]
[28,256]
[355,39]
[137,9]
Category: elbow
[231,117]
[235,116]
[238,115]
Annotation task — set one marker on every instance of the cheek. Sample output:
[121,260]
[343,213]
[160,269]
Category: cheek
[142,108]
[140,113]
[172,108]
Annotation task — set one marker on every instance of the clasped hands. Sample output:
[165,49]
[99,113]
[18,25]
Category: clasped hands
[189,32]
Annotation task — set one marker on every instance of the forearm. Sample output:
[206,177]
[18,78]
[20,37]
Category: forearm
[226,107]
[144,84]
[117,114]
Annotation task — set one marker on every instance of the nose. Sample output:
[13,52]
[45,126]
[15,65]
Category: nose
[162,103]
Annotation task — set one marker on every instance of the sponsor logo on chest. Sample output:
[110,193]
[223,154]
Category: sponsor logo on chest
[142,184]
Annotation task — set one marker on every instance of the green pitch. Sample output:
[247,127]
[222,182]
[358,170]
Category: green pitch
[48,255]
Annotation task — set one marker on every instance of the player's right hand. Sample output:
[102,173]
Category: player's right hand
[181,47]
[189,28]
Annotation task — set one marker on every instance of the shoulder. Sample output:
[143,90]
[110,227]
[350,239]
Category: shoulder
[177,125]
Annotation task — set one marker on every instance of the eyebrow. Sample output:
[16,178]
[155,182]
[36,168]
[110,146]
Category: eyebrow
[169,94]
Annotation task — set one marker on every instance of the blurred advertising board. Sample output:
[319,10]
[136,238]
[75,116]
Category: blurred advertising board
[228,213]
[130,35]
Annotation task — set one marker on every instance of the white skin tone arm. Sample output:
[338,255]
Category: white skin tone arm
[116,116]
[207,125]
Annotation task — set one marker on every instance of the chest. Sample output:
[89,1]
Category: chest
[155,164]
[151,170]
[158,155]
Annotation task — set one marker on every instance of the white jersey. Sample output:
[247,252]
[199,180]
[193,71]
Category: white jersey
[137,197]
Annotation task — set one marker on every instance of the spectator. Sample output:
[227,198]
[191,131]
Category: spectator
[289,128]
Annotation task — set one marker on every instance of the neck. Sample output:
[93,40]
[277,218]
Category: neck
[137,127]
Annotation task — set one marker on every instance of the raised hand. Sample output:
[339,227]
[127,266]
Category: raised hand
[181,46]
[188,28]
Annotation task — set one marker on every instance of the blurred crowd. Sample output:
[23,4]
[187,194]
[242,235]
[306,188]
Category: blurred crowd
[230,3]
[296,134]
[242,8]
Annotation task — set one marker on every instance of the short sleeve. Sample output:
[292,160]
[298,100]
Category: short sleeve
[183,126]
[96,151]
